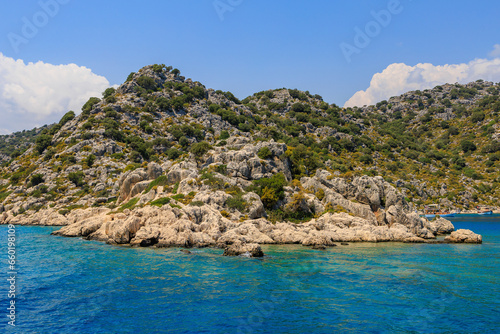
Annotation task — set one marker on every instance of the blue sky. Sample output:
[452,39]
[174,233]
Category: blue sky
[254,45]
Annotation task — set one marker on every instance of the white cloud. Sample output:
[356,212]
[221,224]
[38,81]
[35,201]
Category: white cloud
[496,51]
[399,78]
[35,94]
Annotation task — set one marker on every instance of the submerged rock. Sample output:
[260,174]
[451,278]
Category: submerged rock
[464,236]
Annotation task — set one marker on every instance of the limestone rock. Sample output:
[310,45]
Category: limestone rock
[128,181]
[256,208]
[441,226]
[154,170]
[243,249]
[464,236]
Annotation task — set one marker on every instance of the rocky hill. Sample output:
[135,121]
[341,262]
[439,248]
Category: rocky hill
[164,160]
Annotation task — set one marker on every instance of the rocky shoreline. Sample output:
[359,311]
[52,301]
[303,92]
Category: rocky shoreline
[366,209]
[205,227]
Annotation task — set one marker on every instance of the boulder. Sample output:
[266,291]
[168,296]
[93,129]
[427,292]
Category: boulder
[240,248]
[464,236]
[441,226]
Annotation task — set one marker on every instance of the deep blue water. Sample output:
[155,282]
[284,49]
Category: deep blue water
[77,286]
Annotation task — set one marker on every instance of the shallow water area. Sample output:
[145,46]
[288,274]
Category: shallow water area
[69,285]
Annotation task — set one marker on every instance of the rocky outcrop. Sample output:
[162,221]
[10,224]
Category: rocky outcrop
[464,236]
[44,217]
[366,209]
[441,226]
[245,163]
[193,226]
[128,181]
[242,249]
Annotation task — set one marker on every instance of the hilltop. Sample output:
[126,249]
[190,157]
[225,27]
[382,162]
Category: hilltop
[161,145]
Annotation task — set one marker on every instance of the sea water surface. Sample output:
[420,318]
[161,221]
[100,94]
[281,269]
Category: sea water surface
[66,285]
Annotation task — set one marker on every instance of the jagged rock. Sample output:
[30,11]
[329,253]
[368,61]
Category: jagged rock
[154,171]
[464,236]
[108,147]
[127,182]
[118,231]
[244,249]
[256,208]
[215,199]
[441,226]
[138,188]
[246,164]
[181,171]
[81,229]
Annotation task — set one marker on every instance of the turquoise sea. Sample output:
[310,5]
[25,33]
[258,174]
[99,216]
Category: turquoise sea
[77,286]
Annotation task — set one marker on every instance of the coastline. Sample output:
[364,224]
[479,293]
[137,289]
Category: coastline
[200,227]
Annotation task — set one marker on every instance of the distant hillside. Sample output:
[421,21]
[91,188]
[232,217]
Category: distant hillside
[13,145]
[435,146]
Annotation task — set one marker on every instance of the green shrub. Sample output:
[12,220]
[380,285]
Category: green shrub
[147,83]
[111,113]
[469,172]
[477,117]
[90,160]
[176,187]
[161,202]
[42,142]
[221,169]
[160,181]
[77,178]
[237,202]
[36,180]
[183,141]
[178,197]
[132,166]
[89,105]
[200,149]
[130,204]
[265,153]
[108,92]
[467,146]
[224,135]
[366,159]
[67,117]
[270,189]
[173,153]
